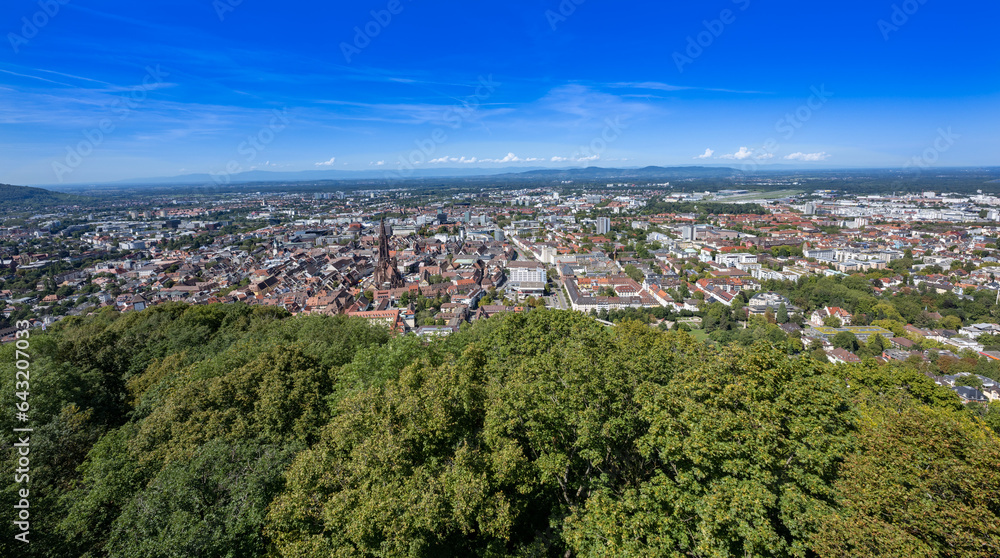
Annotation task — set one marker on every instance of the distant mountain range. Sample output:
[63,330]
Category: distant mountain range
[644,173]
[315,175]
[472,173]
[525,173]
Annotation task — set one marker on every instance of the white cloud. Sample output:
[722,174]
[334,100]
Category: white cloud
[659,86]
[327,163]
[509,158]
[743,153]
[377,163]
[708,154]
[575,159]
[799,156]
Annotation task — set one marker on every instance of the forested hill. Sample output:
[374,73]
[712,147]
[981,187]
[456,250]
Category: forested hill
[233,431]
[19,197]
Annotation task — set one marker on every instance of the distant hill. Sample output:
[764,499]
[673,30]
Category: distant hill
[315,175]
[576,173]
[644,173]
[24,196]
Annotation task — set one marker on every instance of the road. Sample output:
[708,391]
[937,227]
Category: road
[558,298]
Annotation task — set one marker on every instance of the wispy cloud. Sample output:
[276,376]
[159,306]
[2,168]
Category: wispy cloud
[437,114]
[808,157]
[577,159]
[327,163]
[34,77]
[586,106]
[509,158]
[658,86]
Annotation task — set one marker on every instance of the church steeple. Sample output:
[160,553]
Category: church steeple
[383,242]
[385,270]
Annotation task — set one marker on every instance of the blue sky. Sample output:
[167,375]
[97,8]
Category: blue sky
[95,90]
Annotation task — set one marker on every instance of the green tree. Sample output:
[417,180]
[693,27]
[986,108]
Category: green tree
[969,380]
[741,484]
[912,463]
[886,311]
[877,344]
[212,505]
[782,315]
[634,273]
[845,340]
[951,322]
[230,430]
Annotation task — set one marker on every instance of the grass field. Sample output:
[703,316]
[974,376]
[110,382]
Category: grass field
[700,335]
[755,196]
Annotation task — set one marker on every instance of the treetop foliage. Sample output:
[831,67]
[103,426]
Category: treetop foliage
[227,430]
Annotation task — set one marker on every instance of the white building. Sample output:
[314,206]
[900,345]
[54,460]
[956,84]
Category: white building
[733,259]
[603,225]
[527,277]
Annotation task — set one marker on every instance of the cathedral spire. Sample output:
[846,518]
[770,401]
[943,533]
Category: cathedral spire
[385,270]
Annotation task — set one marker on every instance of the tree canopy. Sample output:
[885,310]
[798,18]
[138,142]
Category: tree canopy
[232,431]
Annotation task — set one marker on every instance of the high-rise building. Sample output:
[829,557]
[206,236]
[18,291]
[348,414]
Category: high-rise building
[688,232]
[603,225]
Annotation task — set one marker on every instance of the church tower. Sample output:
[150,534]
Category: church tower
[385,266]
